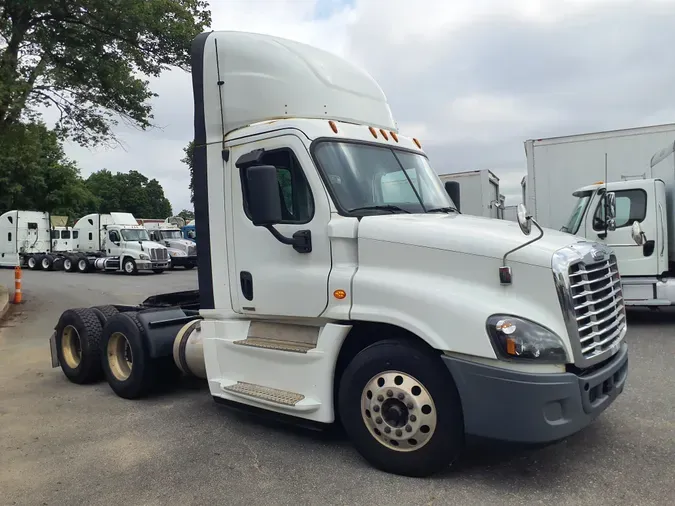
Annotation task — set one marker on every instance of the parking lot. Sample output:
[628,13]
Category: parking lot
[66,444]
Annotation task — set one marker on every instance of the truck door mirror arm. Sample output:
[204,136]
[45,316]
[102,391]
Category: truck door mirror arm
[264,204]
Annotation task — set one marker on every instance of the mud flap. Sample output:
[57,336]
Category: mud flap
[52,349]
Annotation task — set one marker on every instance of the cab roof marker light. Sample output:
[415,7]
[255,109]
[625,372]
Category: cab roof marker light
[333,126]
[394,136]
[384,134]
[373,131]
[417,143]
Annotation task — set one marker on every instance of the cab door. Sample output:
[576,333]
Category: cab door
[271,278]
[640,202]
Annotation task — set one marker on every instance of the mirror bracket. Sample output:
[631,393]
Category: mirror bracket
[301,240]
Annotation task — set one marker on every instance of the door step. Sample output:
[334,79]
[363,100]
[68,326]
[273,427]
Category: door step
[274,344]
[271,396]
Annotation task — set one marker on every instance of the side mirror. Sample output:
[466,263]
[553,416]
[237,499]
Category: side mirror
[524,221]
[262,194]
[452,189]
[610,206]
[637,234]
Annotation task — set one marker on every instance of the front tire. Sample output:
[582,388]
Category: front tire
[400,407]
[129,266]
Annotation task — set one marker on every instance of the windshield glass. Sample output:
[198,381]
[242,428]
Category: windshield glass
[135,234]
[171,234]
[574,221]
[366,176]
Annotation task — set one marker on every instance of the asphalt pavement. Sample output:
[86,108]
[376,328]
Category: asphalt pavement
[62,443]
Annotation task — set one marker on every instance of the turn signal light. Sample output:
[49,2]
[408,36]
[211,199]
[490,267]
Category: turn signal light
[339,294]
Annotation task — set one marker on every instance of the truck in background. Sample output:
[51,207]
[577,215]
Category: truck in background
[642,231]
[109,242]
[324,299]
[478,193]
[183,252]
[189,232]
[557,166]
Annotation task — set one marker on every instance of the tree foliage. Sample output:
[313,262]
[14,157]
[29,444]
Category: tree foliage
[188,160]
[130,192]
[187,215]
[88,59]
[36,175]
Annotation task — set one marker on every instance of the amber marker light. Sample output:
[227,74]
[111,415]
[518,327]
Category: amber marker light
[333,126]
[373,131]
[384,134]
[394,136]
[339,294]
[417,143]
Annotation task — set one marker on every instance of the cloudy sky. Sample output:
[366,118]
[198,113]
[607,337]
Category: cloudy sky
[473,79]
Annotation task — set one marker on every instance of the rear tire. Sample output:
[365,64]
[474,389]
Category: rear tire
[103,313]
[69,265]
[127,365]
[46,263]
[400,407]
[78,338]
[82,265]
[32,263]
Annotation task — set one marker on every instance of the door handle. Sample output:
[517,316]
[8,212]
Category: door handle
[246,280]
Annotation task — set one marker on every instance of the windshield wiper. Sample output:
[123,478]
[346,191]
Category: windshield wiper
[383,208]
[443,210]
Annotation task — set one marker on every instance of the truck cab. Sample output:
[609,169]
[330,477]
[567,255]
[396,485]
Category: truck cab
[634,217]
[183,252]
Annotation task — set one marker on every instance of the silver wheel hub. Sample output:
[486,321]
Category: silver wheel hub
[398,411]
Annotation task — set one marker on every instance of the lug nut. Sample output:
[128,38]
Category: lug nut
[399,432]
[401,396]
[409,405]
[387,430]
[376,408]
[389,393]
[413,418]
[378,420]
[380,397]
[408,428]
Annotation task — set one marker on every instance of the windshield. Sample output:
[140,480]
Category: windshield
[363,176]
[135,234]
[574,221]
[171,234]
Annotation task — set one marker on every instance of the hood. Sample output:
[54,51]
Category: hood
[147,245]
[461,233]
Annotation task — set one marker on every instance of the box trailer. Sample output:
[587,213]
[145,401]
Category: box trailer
[558,166]
[478,192]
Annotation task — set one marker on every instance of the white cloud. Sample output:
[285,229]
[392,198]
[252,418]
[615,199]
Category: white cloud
[471,78]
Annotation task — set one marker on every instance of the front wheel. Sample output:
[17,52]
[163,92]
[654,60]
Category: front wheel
[400,407]
[130,266]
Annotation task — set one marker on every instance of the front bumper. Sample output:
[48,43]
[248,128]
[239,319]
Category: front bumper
[534,408]
[148,265]
[186,260]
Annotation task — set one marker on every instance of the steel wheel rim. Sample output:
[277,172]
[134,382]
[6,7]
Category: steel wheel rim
[71,346]
[45,263]
[398,411]
[120,356]
[129,267]
[31,262]
[82,264]
[67,264]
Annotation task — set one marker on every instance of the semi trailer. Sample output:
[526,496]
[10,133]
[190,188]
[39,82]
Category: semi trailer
[322,300]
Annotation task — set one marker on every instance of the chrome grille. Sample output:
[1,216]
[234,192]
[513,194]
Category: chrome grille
[589,290]
[598,305]
[192,250]
[159,254]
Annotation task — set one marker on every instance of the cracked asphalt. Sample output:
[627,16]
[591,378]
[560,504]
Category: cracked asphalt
[62,443]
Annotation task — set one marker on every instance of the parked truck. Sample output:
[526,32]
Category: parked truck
[321,299]
[183,252]
[557,166]
[642,230]
[189,231]
[478,193]
[107,242]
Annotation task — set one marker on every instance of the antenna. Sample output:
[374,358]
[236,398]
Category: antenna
[220,83]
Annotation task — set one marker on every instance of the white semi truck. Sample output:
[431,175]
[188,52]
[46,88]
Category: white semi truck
[642,232]
[183,252]
[478,193]
[319,299]
[557,166]
[107,242]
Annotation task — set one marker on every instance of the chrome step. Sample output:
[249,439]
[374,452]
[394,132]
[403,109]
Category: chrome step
[274,344]
[269,394]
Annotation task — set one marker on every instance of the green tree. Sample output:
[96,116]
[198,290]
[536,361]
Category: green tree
[36,175]
[187,215]
[88,58]
[188,160]
[130,192]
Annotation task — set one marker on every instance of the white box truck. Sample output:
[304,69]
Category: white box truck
[557,166]
[640,228]
[323,300]
[478,193]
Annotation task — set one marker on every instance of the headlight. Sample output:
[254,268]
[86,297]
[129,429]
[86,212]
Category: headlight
[143,256]
[517,338]
[177,253]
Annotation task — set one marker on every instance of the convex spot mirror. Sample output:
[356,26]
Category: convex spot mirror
[262,194]
[637,234]
[524,221]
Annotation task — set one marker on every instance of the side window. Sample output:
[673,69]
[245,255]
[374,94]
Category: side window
[9,236]
[55,234]
[114,236]
[75,234]
[32,226]
[297,204]
[65,234]
[631,206]
[91,236]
